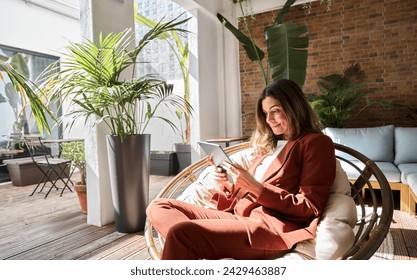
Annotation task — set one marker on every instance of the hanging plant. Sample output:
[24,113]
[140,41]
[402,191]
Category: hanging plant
[245,7]
[329,4]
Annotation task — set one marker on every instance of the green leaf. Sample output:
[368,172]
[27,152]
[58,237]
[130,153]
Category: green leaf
[287,51]
[253,52]
[91,81]
[30,91]
[284,11]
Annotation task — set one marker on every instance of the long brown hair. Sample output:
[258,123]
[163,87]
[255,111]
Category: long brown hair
[301,117]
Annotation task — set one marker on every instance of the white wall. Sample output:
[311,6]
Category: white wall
[31,27]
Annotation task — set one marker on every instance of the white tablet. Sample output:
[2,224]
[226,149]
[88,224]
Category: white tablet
[216,152]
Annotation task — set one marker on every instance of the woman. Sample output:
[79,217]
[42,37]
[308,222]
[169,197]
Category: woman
[272,204]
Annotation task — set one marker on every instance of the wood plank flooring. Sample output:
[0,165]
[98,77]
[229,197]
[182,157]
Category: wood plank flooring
[34,228]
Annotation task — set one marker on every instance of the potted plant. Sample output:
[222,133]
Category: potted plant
[92,81]
[340,95]
[74,151]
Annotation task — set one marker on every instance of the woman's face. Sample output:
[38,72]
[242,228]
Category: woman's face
[275,116]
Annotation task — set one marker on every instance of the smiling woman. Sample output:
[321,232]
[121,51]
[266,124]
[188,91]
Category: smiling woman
[286,186]
[275,116]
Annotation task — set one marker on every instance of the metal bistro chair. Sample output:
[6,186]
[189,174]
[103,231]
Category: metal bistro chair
[374,214]
[54,169]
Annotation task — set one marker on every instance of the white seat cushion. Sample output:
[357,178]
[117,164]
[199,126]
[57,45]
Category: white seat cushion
[390,171]
[406,170]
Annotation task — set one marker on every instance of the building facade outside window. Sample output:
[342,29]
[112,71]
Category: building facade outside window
[159,57]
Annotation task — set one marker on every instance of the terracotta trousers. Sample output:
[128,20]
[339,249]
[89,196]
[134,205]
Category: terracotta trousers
[194,232]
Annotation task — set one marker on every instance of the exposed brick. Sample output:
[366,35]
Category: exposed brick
[381,35]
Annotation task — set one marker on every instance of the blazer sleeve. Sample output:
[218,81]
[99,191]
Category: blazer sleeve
[305,199]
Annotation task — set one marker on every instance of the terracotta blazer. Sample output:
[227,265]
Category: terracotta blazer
[296,189]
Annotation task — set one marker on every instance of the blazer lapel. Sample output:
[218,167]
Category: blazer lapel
[279,161]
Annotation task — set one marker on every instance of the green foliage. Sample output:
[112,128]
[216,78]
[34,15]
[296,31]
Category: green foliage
[29,92]
[92,81]
[74,151]
[286,42]
[340,95]
[181,52]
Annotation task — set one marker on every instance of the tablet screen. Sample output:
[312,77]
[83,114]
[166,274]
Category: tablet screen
[216,152]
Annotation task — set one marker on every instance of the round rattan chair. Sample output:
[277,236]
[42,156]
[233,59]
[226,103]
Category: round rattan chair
[374,214]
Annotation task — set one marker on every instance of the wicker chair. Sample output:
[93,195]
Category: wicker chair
[374,214]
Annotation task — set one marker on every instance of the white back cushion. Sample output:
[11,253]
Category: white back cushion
[377,143]
[405,145]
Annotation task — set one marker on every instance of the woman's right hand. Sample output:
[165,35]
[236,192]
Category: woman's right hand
[220,176]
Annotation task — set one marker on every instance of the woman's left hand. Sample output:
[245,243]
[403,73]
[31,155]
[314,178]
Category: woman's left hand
[243,179]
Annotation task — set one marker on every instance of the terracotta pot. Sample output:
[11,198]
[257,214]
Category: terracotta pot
[82,196]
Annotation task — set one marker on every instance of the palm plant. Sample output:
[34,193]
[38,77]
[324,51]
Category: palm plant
[91,79]
[340,94]
[286,43]
[181,52]
[29,93]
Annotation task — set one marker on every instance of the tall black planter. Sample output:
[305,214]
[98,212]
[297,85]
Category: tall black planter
[129,161]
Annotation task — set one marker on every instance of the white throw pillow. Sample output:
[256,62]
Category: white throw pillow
[334,235]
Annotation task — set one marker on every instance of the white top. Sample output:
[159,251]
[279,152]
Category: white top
[266,162]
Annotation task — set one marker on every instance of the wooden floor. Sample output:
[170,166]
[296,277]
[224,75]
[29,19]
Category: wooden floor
[54,228]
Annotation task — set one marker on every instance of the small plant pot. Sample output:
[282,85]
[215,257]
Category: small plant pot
[82,196]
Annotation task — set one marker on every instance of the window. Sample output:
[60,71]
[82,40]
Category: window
[31,65]
[160,52]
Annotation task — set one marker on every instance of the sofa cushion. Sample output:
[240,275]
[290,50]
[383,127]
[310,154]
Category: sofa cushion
[405,145]
[390,171]
[377,143]
[407,169]
[412,182]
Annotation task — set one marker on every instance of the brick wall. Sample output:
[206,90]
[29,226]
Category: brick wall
[380,35]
